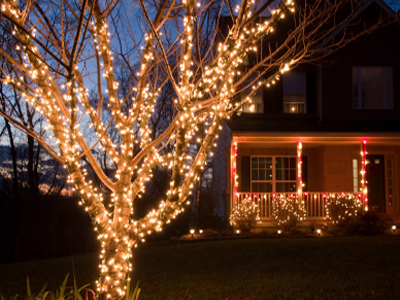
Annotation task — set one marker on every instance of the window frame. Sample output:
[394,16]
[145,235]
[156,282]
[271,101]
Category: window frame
[274,181]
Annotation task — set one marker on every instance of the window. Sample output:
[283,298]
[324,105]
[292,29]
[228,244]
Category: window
[372,88]
[273,174]
[355,175]
[256,105]
[294,92]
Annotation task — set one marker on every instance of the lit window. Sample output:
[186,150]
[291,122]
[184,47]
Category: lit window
[256,105]
[273,174]
[294,92]
[372,88]
[355,175]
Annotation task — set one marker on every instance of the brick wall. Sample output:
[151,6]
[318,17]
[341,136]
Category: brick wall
[337,174]
[312,163]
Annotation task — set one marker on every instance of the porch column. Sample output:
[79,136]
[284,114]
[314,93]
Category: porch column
[364,188]
[299,177]
[234,183]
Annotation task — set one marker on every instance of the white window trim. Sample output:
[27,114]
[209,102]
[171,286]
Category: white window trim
[273,181]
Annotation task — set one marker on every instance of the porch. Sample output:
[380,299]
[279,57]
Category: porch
[278,208]
[318,179]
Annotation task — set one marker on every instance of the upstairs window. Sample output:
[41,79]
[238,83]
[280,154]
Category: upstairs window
[372,88]
[256,105]
[294,92]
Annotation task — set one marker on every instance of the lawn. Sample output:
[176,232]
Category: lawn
[269,268]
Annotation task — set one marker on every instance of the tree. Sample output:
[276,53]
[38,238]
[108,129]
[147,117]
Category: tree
[25,172]
[65,47]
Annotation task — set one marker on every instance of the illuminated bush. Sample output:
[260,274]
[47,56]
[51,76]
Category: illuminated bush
[338,207]
[287,211]
[245,215]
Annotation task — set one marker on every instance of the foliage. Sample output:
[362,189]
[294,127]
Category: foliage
[364,223]
[63,293]
[132,294]
[210,233]
[338,207]
[245,215]
[287,211]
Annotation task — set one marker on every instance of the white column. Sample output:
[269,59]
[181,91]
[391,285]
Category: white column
[364,188]
[299,175]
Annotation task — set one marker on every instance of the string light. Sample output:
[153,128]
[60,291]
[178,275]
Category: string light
[364,187]
[339,206]
[246,214]
[288,208]
[207,99]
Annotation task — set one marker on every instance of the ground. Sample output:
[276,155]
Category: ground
[263,268]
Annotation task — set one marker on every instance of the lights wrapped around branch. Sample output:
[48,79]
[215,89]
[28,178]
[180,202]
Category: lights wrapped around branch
[64,103]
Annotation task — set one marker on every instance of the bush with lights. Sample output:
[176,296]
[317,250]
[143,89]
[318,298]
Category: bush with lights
[338,207]
[245,215]
[287,211]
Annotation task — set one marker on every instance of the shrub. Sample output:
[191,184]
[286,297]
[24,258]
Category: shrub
[287,211]
[69,292]
[63,293]
[341,207]
[364,223]
[246,215]
[210,233]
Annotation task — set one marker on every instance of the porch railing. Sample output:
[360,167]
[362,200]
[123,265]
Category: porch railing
[313,205]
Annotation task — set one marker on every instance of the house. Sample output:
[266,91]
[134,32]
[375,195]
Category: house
[324,136]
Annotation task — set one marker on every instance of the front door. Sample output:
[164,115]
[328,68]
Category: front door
[375,176]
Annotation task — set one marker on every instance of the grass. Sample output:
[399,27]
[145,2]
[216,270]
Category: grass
[274,268]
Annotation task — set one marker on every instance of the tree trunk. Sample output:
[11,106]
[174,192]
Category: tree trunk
[116,247]
[32,170]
